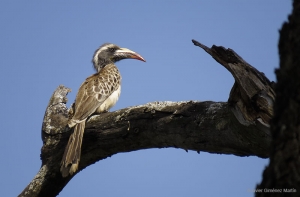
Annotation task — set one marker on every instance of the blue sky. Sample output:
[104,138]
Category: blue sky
[45,44]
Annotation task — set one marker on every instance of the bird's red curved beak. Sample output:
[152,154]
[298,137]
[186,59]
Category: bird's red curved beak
[130,54]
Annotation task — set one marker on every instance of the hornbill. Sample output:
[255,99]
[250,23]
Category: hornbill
[97,94]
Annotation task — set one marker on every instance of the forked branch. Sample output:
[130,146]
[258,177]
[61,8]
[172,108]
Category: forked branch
[239,126]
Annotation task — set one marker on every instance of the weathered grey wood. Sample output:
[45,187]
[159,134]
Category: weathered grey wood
[55,120]
[252,95]
[56,115]
[215,127]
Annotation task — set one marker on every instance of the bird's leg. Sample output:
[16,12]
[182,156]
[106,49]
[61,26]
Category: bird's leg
[71,111]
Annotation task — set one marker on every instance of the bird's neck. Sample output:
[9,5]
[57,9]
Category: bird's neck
[107,67]
[102,65]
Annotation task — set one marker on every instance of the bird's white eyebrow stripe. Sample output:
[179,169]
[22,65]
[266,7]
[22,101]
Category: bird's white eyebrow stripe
[97,53]
[102,49]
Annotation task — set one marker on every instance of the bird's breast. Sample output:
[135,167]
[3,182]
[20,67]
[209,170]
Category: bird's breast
[110,101]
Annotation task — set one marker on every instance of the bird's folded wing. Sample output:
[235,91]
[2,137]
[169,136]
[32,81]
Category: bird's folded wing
[92,93]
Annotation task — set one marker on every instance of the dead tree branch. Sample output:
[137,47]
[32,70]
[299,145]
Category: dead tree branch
[239,126]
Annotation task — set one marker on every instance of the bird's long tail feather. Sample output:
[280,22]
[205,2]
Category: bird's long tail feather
[71,157]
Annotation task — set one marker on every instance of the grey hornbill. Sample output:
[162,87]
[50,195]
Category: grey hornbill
[98,93]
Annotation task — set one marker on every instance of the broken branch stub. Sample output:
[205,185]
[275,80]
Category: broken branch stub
[252,95]
[214,127]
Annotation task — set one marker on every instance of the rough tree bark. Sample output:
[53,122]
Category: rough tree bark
[282,176]
[239,126]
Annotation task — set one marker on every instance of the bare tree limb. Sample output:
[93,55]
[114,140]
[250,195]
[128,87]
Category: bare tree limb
[252,95]
[239,126]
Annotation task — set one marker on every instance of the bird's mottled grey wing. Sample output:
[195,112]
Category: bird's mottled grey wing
[94,91]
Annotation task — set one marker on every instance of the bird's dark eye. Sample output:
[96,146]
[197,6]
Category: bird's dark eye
[112,49]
